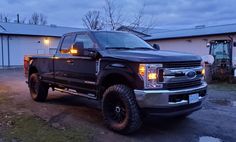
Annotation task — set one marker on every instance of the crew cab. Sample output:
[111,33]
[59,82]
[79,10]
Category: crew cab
[128,76]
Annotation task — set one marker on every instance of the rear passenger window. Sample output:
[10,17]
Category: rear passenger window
[66,43]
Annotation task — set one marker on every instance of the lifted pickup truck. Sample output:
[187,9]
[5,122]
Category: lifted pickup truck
[128,76]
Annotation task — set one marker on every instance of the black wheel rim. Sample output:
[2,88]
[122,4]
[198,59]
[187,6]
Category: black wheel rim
[115,109]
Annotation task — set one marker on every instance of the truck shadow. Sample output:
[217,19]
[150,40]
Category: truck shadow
[151,125]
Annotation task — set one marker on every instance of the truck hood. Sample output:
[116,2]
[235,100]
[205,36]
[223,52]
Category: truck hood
[149,56]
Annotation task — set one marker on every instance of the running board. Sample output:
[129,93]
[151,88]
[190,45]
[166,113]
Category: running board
[74,92]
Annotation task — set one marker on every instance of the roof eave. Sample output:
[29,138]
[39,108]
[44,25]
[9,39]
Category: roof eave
[153,39]
[30,35]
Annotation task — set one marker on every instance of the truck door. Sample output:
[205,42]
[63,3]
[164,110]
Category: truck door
[83,67]
[61,67]
[79,72]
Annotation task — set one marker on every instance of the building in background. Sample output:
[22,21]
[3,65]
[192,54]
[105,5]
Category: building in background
[17,40]
[193,40]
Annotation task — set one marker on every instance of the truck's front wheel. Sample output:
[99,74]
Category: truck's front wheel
[120,110]
[38,89]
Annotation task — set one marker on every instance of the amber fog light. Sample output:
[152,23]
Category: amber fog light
[142,69]
[203,72]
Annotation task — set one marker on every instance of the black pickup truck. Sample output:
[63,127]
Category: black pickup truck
[125,74]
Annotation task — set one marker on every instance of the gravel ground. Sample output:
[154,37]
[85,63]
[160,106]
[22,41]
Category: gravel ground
[69,118]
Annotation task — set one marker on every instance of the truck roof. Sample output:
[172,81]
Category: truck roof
[94,31]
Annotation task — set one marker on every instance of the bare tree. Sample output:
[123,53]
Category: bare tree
[38,19]
[1,17]
[139,21]
[34,19]
[23,20]
[4,18]
[138,18]
[42,19]
[113,14]
[92,20]
[113,18]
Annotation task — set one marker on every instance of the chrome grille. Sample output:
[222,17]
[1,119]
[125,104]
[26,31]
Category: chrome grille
[180,85]
[182,64]
[177,78]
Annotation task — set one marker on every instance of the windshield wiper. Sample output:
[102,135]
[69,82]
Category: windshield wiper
[119,48]
[145,48]
[127,48]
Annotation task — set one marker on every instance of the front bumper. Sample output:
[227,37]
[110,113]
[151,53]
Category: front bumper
[161,99]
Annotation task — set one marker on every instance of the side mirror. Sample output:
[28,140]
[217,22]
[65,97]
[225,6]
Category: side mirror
[234,44]
[92,52]
[77,49]
[156,46]
[208,45]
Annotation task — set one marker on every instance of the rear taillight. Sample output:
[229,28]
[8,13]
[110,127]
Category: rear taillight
[26,66]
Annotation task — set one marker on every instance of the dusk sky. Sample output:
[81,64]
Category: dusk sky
[165,13]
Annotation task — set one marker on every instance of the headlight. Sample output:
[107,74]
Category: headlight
[151,75]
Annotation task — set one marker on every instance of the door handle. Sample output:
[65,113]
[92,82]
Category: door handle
[70,61]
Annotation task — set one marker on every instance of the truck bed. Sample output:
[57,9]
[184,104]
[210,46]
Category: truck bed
[28,58]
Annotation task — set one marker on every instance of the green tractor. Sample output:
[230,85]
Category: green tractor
[223,68]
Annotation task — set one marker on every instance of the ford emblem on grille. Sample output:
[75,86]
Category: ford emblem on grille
[191,74]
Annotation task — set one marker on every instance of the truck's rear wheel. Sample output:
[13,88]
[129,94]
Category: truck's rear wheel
[120,110]
[38,89]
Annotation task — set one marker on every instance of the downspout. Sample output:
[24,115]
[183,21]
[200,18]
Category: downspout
[231,50]
[8,50]
[2,51]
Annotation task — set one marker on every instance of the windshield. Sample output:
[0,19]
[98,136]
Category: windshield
[118,40]
[220,50]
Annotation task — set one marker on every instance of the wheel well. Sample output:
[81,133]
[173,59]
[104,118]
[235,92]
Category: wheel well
[32,70]
[113,79]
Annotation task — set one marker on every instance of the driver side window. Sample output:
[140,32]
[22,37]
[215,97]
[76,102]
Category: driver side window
[66,44]
[88,43]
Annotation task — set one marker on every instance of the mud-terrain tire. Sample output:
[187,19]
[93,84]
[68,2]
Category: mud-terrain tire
[120,110]
[38,89]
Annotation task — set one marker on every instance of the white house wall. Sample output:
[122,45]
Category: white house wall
[194,45]
[25,45]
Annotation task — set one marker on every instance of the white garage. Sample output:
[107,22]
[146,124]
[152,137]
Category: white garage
[17,40]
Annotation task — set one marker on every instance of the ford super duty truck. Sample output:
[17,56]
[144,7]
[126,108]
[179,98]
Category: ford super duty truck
[128,77]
